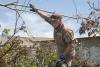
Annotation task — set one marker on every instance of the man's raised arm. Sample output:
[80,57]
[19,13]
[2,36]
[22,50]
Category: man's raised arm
[39,13]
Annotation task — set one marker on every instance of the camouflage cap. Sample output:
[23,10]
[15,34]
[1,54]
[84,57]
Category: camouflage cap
[56,16]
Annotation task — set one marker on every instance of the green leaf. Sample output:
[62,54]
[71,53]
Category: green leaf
[5,31]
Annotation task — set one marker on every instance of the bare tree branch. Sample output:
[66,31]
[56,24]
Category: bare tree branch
[92,6]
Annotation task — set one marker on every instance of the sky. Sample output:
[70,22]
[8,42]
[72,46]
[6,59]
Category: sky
[36,25]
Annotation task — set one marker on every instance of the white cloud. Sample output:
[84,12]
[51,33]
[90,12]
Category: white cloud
[30,18]
[37,26]
[45,34]
[22,34]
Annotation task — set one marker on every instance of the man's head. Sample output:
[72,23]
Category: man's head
[56,16]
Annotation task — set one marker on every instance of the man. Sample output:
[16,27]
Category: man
[63,37]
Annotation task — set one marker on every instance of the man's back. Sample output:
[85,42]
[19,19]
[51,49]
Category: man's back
[63,38]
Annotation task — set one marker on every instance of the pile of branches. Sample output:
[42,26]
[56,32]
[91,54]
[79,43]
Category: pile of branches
[91,24]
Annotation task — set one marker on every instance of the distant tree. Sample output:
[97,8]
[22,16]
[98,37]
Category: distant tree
[5,31]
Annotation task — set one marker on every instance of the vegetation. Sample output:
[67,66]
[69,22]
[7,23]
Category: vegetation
[13,54]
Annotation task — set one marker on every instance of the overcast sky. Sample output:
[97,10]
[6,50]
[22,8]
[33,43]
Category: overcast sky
[36,25]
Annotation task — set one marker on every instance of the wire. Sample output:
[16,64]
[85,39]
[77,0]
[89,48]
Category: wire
[23,3]
[76,10]
[75,6]
[98,4]
[78,17]
[17,17]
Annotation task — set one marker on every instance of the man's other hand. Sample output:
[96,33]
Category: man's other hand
[33,8]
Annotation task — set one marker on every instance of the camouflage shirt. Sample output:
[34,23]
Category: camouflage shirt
[64,38]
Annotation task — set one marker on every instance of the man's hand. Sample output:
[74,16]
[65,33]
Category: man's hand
[33,8]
